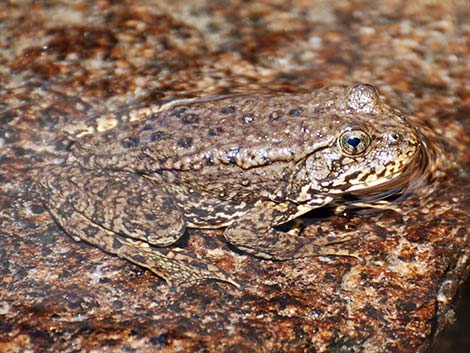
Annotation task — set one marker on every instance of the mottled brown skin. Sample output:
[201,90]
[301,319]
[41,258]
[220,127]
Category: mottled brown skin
[248,162]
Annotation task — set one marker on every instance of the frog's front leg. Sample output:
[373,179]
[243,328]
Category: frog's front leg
[122,213]
[254,234]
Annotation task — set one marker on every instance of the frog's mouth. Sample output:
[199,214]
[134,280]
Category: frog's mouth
[402,184]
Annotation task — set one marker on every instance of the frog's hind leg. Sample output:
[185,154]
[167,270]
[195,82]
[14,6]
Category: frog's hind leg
[121,214]
[254,234]
[174,265]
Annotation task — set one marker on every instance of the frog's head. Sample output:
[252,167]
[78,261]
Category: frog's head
[372,151]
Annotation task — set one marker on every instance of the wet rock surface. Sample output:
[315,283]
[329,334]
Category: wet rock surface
[64,64]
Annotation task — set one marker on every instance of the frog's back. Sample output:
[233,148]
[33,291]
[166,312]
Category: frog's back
[243,130]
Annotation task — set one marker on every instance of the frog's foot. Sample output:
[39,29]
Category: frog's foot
[254,234]
[174,265]
[114,210]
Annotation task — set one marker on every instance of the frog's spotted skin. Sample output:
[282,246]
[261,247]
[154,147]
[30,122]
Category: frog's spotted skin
[248,162]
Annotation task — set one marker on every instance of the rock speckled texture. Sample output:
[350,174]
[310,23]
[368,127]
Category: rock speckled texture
[64,63]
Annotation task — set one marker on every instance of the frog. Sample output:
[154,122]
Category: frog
[246,162]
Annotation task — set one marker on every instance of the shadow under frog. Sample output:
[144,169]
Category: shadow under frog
[247,162]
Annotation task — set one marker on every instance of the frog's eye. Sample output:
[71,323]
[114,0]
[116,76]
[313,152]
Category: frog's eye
[354,142]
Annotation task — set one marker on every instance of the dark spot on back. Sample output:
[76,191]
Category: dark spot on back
[185,142]
[147,127]
[227,110]
[295,112]
[130,142]
[189,119]
[157,136]
[150,217]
